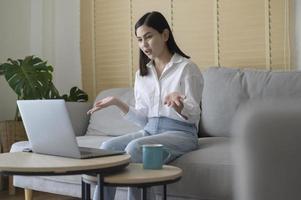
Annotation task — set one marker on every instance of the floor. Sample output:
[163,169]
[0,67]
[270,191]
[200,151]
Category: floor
[36,196]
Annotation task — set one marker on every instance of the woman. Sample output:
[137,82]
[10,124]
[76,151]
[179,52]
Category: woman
[167,89]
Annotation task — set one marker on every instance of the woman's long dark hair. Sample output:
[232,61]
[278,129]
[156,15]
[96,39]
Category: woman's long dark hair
[158,22]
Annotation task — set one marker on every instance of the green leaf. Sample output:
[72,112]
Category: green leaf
[76,94]
[36,60]
[29,77]
[14,62]
[52,92]
[65,97]
[3,68]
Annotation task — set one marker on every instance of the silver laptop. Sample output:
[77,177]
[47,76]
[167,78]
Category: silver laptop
[50,131]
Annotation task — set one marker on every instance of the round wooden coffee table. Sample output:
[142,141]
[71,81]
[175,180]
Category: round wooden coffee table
[32,164]
[135,176]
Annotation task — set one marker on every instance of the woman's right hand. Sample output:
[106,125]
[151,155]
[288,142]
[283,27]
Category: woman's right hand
[103,103]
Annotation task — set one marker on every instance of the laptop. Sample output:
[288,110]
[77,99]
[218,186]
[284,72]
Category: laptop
[50,131]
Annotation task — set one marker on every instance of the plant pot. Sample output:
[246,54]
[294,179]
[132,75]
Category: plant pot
[10,132]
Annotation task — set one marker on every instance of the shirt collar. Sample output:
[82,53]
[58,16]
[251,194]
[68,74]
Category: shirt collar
[176,58]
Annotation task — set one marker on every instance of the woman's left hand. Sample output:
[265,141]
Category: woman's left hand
[175,100]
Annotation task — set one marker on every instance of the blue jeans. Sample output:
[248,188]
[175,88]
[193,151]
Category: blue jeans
[177,136]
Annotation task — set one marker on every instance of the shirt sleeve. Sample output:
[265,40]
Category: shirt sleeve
[193,83]
[139,113]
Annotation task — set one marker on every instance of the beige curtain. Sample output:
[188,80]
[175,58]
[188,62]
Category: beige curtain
[232,33]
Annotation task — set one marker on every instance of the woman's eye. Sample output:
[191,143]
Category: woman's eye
[148,36]
[139,40]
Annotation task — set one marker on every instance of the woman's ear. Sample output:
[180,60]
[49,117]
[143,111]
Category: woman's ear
[165,35]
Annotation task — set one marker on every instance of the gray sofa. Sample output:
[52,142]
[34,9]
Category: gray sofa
[267,146]
[208,171]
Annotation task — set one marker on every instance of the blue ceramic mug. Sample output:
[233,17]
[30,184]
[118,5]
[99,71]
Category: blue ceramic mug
[153,156]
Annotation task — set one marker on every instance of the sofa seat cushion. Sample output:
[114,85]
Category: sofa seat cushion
[19,146]
[207,171]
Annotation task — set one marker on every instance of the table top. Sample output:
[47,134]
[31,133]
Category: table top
[31,163]
[134,173]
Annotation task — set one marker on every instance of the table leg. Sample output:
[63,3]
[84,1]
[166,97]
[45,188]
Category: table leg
[100,182]
[144,192]
[83,190]
[164,192]
[87,191]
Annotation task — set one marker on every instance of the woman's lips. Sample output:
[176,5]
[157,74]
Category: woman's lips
[148,51]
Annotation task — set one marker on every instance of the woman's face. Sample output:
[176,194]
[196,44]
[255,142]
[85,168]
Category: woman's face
[151,42]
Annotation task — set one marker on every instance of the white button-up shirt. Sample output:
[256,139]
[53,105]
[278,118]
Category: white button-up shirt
[179,75]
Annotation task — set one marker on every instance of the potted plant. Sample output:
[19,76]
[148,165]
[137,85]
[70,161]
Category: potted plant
[30,78]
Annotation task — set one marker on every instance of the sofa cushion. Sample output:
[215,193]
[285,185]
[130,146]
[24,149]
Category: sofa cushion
[207,172]
[109,121]
[225,89]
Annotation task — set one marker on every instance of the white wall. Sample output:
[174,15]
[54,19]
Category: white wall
[67,44]
[55,36]
[47,28]
[14,43]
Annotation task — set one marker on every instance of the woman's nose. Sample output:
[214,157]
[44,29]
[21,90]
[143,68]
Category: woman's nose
[144,43]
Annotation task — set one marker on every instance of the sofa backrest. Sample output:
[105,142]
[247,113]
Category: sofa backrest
[78,116]
[225,89]
[109,121]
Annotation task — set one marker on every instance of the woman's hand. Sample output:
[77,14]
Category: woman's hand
[103,103]
[175,100]
[109,101]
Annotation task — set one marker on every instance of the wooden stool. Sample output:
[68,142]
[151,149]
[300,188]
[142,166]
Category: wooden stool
[135,176]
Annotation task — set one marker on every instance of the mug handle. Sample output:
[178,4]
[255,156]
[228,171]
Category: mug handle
[165,151]
[168,152]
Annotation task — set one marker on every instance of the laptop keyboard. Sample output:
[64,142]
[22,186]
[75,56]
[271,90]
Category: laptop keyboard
[87,152]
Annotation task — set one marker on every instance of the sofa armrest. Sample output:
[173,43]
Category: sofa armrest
[78,116]
[267,146]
